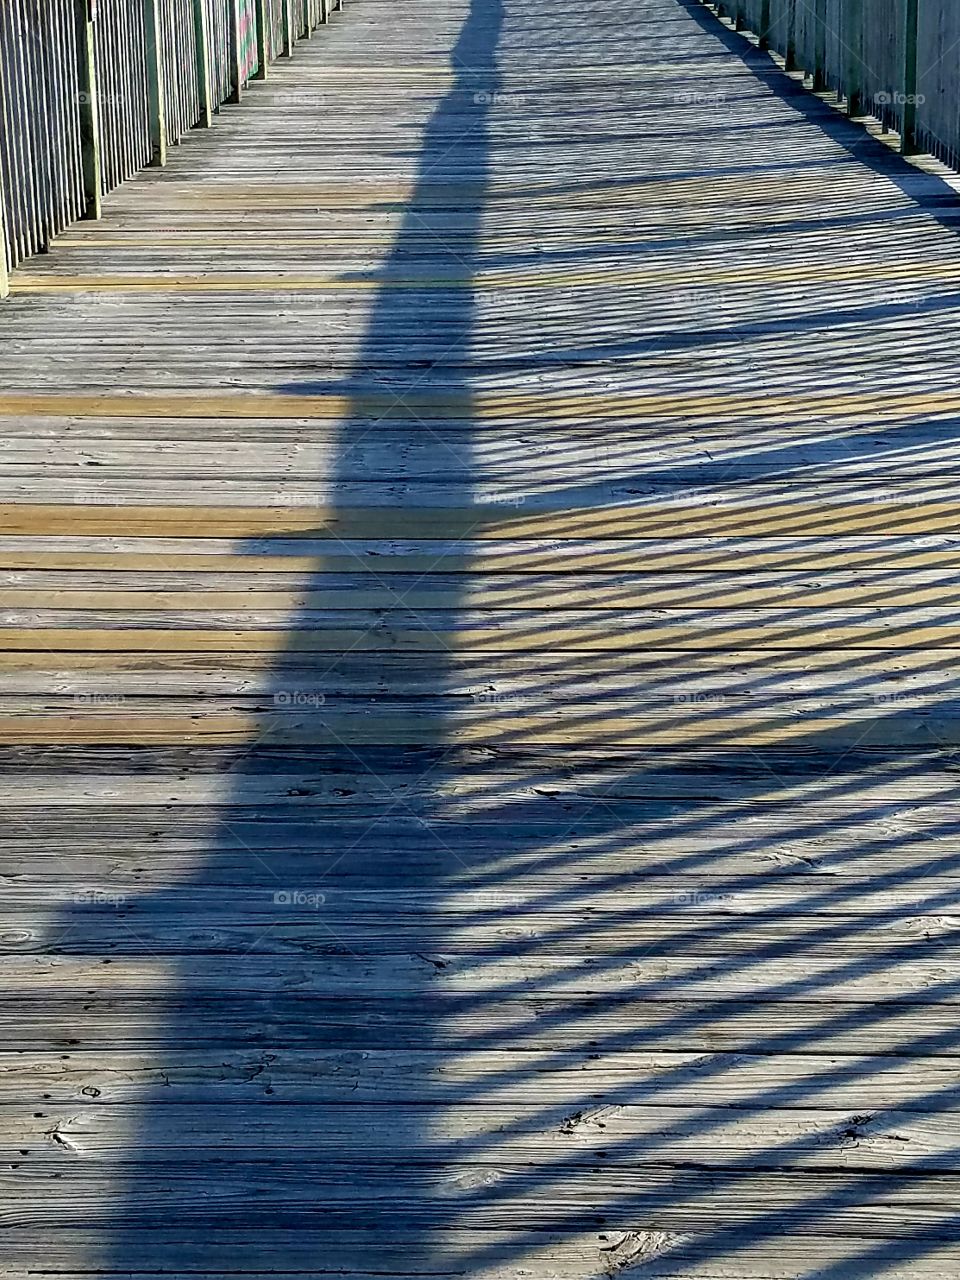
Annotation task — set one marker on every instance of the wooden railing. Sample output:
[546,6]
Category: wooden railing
[93,90]
[896,60]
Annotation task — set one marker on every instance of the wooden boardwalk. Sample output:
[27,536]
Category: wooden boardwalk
[480,571]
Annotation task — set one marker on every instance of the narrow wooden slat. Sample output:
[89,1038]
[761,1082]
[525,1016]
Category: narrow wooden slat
[154,35]
[91,137]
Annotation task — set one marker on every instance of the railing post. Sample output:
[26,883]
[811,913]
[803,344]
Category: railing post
[89,110]
[908,78]
[305,14]
[853,41]
[261,18]
[155,85]
[201,34]
[289,32]
[763,34]
[820,46]
[235,52]
[5,245]
[790,46]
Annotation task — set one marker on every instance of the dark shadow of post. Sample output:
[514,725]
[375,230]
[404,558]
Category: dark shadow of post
[405,324]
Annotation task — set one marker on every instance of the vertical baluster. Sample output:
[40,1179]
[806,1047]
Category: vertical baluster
[908,78]
[90,137]
[4,250]
[820,46]
[853,40]
[6,240]
[236,52]
[201,29]
[262,18]
[156,92]
[790,48]
[764,32]
[289,30]
[6,247]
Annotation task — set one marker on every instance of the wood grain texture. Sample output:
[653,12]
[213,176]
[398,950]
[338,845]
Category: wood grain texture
[480,678]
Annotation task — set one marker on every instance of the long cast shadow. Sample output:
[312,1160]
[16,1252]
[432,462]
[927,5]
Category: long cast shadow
[267,1150]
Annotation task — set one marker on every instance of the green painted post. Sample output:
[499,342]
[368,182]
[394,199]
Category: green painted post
[261,17]
[89,110]
[820,47]
[234,52]
[764,32]
[790,48]
[307,24]
[908,78]
[156,95]
[289,31]
[201,33]
[853,41]
[5,247]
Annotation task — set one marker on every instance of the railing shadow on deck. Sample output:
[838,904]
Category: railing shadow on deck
[622,809]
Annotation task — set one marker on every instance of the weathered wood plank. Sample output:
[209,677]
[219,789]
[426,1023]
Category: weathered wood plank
[291,1193]
[807,553]
[204,1077]
[180,590]
[619,1135]
[398,1254]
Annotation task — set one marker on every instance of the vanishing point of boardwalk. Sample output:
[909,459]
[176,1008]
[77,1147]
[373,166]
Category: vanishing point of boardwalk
[478,679]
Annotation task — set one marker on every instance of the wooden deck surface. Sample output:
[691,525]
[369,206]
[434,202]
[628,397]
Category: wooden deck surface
[479,645]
